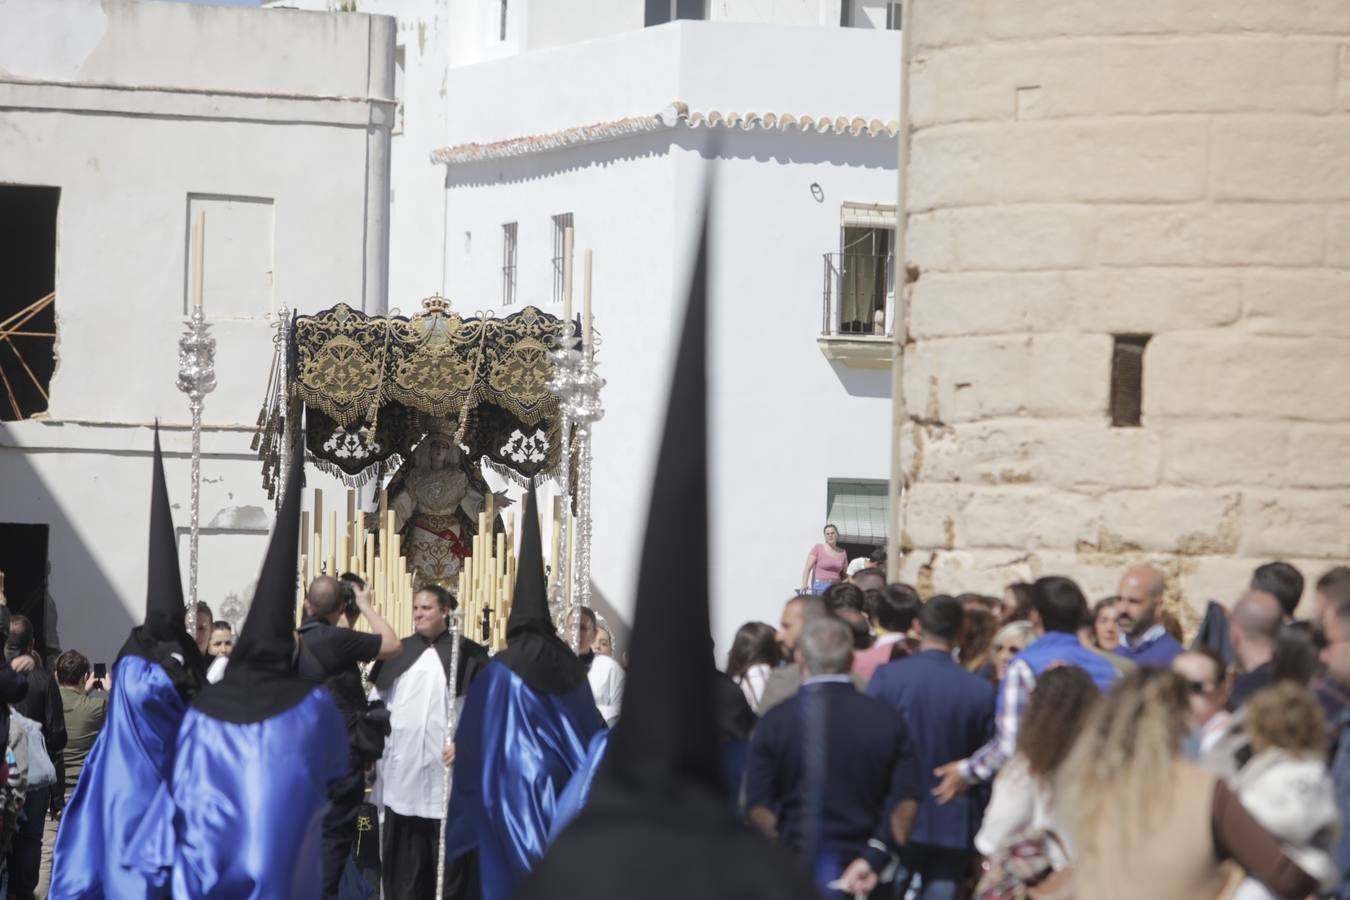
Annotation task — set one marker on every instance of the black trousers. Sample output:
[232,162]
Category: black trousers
[410,846]
[25,856]
[339,828]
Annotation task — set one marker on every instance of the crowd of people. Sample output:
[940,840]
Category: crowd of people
[875,744]
[1035,744]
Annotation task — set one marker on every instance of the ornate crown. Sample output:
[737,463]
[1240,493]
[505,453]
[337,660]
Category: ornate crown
[436,304]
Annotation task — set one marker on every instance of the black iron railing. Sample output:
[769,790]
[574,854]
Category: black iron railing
[858,295]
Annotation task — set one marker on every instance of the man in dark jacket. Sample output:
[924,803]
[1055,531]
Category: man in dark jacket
[950,714]
[43,705]
[832,773]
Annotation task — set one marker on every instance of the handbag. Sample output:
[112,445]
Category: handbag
[1025,868]
[41,772]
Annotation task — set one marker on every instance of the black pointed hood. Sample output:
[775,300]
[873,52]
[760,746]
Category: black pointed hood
[667,735]
[529,603]
[260,680]
[533,649]
[163,633]
[659,800]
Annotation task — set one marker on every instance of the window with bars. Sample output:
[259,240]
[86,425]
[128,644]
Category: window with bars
[508,263]
[561,223]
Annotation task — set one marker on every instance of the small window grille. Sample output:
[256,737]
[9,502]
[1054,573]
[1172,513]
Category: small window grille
[508,263]
[561,223]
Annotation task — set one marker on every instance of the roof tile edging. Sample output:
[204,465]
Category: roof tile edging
[671,117]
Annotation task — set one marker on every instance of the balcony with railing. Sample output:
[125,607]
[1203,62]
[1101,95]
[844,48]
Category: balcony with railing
[858,309]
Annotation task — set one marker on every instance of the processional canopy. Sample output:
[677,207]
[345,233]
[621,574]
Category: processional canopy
[372,386]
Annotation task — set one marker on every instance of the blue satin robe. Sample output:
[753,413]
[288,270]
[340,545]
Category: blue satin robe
[516,749]
[249,800]
[96,855]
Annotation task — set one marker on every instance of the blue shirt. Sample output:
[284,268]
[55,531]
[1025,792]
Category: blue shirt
[950,714]
[1155,649]
[1014,693]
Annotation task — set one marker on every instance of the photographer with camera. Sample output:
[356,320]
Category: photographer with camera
[329,654]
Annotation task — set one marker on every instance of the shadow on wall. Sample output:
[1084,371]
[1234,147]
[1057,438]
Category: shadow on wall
[91,616]
[760,145]
[791,146]
[863,382]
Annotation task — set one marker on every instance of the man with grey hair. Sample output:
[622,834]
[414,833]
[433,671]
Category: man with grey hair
[832,773]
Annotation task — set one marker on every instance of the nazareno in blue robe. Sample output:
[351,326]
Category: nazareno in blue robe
[516,749]
[132,759]
[247,803]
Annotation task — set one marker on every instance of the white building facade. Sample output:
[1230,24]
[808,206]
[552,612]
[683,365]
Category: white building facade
[122,121]
[611,117]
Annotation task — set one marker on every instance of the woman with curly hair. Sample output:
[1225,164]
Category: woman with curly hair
[1059,706]
[1142,821]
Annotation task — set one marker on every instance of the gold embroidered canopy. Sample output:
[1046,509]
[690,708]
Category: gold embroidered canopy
[372,384]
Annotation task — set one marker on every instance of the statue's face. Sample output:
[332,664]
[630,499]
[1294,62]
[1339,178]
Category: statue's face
[439,453]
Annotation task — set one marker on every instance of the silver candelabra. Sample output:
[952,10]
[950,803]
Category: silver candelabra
[196,378]
[561,386]
[578,387]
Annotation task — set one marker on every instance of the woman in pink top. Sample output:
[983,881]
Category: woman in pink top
[825,564]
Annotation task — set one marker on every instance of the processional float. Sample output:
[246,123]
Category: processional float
[417,406]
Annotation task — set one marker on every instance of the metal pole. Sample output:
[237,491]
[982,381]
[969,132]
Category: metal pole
[455,628]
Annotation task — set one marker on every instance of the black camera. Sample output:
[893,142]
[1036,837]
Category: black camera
[347,584]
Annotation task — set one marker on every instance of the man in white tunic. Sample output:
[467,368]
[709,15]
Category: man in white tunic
[410,774]
[604,672]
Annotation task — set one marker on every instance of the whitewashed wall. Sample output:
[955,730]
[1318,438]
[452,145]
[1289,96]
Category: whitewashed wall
[161,101]
[784,418]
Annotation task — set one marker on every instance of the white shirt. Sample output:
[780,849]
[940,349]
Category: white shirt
[606,677]
[217,670]
[408,778]
[752,684]
[1019,801]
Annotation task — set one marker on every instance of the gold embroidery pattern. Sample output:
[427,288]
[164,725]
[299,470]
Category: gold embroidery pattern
[442,365]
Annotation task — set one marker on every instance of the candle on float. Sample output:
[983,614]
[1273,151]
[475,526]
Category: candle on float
[586,311]
[198,258]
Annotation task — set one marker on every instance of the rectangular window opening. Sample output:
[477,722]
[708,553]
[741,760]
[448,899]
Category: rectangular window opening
[864,274]
[27,298]
[1127,380]
[561,223]
[508,263]
[23,559]
[501,32]
[858,508]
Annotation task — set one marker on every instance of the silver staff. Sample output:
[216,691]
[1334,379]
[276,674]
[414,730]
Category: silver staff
[196,378]
[455,627]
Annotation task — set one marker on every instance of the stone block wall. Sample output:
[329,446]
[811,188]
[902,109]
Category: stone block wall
[1079,170]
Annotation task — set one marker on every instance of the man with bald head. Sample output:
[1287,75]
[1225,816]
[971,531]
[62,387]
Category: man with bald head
[1253,627]
[329,654]
[1142,636]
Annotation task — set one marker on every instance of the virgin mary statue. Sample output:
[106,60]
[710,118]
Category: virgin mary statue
[436,508]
